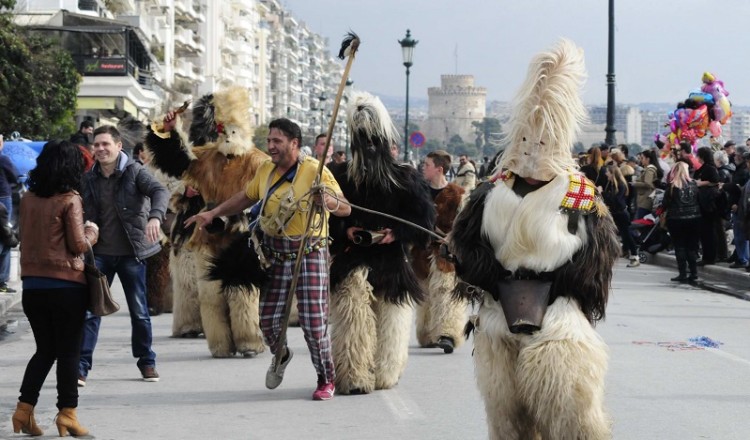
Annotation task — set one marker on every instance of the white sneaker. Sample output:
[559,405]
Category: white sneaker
[274,377]
[634,262]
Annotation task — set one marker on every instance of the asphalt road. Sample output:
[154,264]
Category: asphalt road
[659,386]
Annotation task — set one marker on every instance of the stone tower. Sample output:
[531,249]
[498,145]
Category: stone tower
[453,107]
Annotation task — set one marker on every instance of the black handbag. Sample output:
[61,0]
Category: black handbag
[101,302]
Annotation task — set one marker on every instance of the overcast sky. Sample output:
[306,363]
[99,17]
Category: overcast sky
[662,46]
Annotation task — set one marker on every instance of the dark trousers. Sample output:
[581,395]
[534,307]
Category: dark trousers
[708,237]
[685,238]
[622,221]
[132,274]
[722,251]
[56,317]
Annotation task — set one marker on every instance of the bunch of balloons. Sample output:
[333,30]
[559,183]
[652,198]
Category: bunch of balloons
[705,110]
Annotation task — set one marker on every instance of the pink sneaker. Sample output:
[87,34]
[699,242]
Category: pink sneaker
[324,391]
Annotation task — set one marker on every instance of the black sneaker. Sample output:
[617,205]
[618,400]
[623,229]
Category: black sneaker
[5,289]
[149,374]
[446,343]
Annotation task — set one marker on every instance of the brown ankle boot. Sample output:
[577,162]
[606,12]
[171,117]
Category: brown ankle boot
[23,420]
[67,420]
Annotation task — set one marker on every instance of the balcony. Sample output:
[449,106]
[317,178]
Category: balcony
[186,44]
[149,25]
[119,7]
[184,69]
[184,11]
[240,24]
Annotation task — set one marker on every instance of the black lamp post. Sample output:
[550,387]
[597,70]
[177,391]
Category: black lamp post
[610,127]
[322,98]
[407,50]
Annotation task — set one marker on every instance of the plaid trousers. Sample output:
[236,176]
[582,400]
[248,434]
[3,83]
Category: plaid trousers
[312,300]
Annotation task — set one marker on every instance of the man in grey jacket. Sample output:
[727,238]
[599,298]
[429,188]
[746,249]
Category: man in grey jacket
[128,204]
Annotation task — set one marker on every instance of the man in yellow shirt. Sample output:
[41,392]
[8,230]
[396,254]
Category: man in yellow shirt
[283,184]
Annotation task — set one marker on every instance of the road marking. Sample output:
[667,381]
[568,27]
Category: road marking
[730,356]
[401,407]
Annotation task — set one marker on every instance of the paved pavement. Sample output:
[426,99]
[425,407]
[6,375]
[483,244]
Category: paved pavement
[652,391]
[9,300]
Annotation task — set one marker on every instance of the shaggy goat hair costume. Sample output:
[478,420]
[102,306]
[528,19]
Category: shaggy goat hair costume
[539,222]
[218,160]
[376,181]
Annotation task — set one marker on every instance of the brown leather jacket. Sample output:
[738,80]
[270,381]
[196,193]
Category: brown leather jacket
[53,237]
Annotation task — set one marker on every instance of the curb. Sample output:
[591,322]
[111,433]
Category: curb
[714,277]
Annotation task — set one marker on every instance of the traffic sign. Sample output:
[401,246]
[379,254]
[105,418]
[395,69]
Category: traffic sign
[416,139]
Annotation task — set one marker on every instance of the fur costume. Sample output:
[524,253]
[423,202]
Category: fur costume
[373,287]
[540,221]
[186,312]
[158,281]
[440,315]
[218,161]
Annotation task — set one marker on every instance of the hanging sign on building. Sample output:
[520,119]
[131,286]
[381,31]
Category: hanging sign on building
[105,66]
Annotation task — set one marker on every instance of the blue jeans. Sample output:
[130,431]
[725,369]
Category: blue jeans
[5,253]
[740,241]
[132,274]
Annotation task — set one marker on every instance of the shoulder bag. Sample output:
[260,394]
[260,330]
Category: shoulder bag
[100,298]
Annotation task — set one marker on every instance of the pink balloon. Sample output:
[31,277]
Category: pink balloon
[715,128]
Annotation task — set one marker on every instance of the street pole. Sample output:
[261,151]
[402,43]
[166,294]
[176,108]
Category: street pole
[406,124]
[407,51]
[610,128]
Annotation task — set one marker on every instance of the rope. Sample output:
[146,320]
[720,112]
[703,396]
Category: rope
[323,189]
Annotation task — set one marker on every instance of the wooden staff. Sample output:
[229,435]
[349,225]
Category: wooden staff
[349,48]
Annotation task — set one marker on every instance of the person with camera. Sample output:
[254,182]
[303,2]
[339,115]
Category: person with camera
[283,183]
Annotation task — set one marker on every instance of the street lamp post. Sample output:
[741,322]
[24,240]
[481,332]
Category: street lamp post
[610,127]
[322,98]
[407,50]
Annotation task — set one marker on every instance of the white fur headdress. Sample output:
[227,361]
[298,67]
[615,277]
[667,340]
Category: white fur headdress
[372,134]
[547,114]
[368,114]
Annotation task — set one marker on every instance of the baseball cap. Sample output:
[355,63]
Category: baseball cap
[728,144]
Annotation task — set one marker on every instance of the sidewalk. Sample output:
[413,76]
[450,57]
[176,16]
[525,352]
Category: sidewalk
[715,277]
[9,300]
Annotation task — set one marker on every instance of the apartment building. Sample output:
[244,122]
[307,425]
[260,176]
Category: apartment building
[143,57]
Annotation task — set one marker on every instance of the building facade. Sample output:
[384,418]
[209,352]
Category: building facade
[453,107]
[141,58]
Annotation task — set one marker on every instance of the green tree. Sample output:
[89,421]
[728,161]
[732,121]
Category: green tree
[38,83]
[634,149]
[489,133]
[431,145]
[456,147]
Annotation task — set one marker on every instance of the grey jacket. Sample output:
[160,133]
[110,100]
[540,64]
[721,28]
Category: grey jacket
[140,197]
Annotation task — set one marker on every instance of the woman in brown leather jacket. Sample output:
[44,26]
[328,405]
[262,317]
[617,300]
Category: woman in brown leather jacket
[55,295]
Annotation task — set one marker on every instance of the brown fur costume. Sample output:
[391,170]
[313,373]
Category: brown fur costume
[158,281]
[440,315]
[218,163]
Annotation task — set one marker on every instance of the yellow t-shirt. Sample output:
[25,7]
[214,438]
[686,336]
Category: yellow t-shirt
[301,184]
